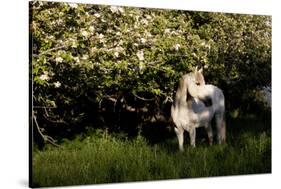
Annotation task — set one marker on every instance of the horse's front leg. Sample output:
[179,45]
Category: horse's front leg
[179,132]
[192,135]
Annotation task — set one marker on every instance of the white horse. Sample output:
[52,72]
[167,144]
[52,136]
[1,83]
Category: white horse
[216,96]
[188,112]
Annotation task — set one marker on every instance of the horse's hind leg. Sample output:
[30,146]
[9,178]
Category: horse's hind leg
[210,133]
[192,135]
[221,130]
[179,132]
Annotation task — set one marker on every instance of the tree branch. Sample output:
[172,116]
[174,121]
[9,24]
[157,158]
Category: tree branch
[40,107]
[47,117]
[46,138]
[168,99]
[144,99]
[49,50]
[179,55]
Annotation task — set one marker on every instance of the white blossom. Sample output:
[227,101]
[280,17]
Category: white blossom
[136,25]
[85,57]
[100,36]
[148,17]
[203,44]
[193,54]
[93,49]
[91,28]
[44,76]
[120,42]
[208,46]
[73,42]
[102,39]
[166,31]
[115,9]
[50,37]
[85,33]
[74,45]
[57,84]
[73,5]
[148,34]
[144,21]
[76,59]
[109,30]
[59,59]
[143,40]
[119,49]
[121,9]
[137,17]
[140,55]
[177,46]
[116,54]
[97,15]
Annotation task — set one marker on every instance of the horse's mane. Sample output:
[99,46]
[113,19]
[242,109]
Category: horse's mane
[182,85]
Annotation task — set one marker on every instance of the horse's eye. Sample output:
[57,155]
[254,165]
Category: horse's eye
[197,83]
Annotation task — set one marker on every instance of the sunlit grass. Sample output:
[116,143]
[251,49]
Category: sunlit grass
[101,158]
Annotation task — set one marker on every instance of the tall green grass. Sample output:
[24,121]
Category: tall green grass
[102,158]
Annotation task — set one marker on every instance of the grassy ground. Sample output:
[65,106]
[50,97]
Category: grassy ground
[103,158]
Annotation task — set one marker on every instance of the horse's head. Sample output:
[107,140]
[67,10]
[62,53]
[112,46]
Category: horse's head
[195,82]
[190,82]
[195,77]
[198,77]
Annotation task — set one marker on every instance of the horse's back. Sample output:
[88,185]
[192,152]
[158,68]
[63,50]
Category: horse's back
[217,97]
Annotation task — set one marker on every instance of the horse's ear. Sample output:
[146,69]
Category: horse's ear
[196,69]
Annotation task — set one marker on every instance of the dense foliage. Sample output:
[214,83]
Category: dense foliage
[117,67]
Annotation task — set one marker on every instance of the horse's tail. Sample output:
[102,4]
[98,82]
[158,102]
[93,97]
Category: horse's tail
[221,127]
[223,121]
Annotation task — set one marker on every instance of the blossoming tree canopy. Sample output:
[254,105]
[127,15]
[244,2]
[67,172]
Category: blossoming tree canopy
[91,57]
